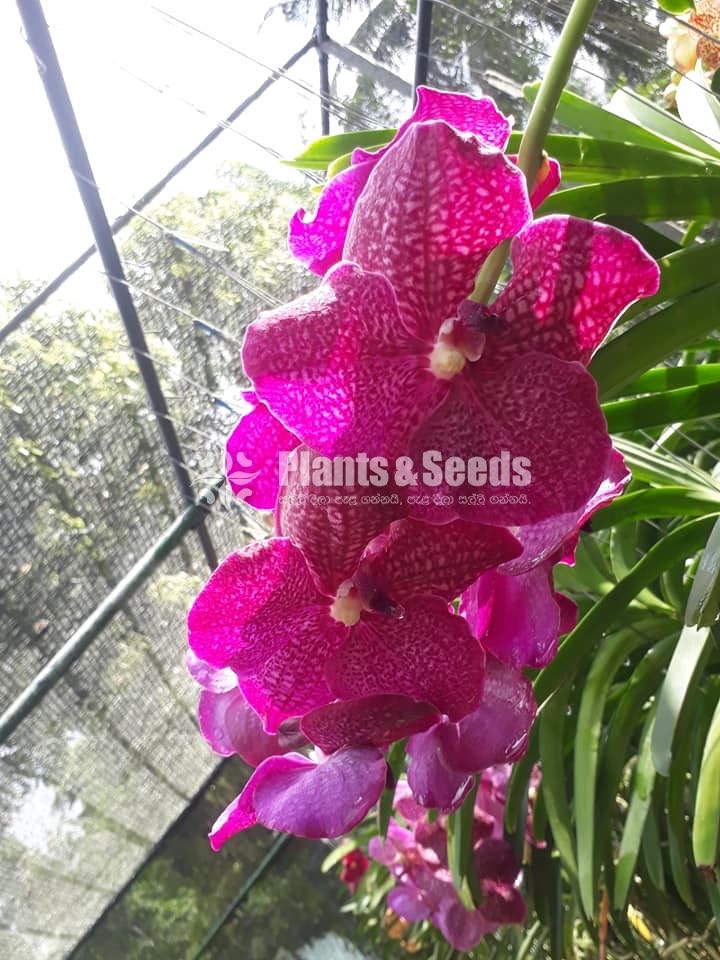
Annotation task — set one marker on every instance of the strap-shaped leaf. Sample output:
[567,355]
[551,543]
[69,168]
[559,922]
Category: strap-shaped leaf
[319,154]
[594,160]
[687,662]
[671,501]
[638,109]
[670,378]
[553,784]
[640,800]
[662,409]
[648,198]
[654,338]
[704,600]
[613,653]
[706,821]
[661,468]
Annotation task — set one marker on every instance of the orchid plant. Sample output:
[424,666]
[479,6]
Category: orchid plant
[378,650]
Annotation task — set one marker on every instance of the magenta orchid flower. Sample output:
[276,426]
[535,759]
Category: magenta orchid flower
[386,357]
[444,759]
[298,639]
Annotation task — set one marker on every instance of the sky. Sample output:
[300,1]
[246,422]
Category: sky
[139,83]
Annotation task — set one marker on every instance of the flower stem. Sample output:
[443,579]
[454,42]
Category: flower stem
[538,125]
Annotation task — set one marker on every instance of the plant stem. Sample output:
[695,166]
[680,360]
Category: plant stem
[538,125]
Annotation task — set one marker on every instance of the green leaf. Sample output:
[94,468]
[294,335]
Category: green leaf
[648,198]
[321,152]
[613,653]
[651,504]
[460,839]
[640,800]
[652,841]
[654,338]
[635,108]
[670,378]
[336,854]
[706,822]
[553,784]
[395,760]
[686,663]
[611,608]
[677,789]
[681,272]
[704,601]
[620,730]
[577,113]
[661,468]
[676,6]
[518,785]
[592,160]
[662,409]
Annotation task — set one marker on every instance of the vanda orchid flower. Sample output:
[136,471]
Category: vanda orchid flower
[386,358]
[318,240]
[376,625]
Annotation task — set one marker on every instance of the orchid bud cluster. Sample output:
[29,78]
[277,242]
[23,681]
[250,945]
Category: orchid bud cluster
[410,610]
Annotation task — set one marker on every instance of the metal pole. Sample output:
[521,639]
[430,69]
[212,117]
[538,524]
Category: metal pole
[422,44]
[40,41]
[87,632]
[29,309]
[321,36]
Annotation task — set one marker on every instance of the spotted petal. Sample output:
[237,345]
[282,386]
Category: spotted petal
[537,408]
[415,557]
[295,795]
[541,541]
[433,208]
[332,524]
[250,604]
[571,280]
[317,240]
[371,721]
[253,454]
[428,655]
[338,368]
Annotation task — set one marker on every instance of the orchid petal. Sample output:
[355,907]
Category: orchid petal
[245,610]
[467,114]
[253,454]
[571,279]
[294,795]
[429,655]
[524,626]
[338,368]
[434,206]
[433,782]
[332,524]
[207,677]
[497,731]
[370,721]
[317,241]
[231,726]
[538,408]
[415,557]
[542,540]
[407,901]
